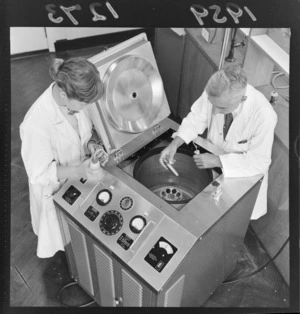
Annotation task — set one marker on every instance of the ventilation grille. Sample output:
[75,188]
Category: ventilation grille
[79,246]
[67,245]
[105,275]
[173,295]
[132,290]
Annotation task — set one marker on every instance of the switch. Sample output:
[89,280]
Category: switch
[217,190]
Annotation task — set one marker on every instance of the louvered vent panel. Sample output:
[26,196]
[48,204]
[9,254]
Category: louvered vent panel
[105,275]
[132,290]
[79,246]
[68,247]
[173,295]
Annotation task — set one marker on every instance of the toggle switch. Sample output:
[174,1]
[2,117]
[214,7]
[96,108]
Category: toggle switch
[217,190]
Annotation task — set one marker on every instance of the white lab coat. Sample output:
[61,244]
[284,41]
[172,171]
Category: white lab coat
[48,139]
[253,124]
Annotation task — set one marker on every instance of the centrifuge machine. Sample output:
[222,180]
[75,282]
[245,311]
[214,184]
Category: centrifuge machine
[141,235]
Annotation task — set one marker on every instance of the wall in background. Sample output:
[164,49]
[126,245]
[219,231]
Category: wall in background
[28,39]
[54,34]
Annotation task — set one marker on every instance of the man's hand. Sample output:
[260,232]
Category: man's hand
[167,155]
[204,161]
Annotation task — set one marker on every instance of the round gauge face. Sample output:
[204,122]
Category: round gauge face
[103,197]
[137,224]
[111,222]
[126,203]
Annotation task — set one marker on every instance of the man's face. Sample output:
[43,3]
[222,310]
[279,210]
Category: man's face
[228,101]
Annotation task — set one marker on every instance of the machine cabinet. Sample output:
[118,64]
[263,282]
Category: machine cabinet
[106,279]
[114,283]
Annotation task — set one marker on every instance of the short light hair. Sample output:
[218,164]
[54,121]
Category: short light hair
[78,78]
[233,77]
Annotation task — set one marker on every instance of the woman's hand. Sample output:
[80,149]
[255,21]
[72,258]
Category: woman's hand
[102,156]
[99,151]
[92,146]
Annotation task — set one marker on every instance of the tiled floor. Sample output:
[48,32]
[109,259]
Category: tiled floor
[36,282]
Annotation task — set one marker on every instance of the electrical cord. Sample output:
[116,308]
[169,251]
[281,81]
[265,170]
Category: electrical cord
[227,282]
[66,305]
[279,87]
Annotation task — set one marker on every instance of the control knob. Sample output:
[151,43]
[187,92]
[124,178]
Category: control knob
[111,222]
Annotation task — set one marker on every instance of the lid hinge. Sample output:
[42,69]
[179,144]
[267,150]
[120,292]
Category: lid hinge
[156,130]
[118,155]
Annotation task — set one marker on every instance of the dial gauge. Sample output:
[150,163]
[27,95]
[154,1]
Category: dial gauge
[104,197]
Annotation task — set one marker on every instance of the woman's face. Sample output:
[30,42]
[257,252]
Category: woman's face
[75,105]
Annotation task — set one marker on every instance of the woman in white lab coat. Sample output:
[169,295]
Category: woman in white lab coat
[56,136]
[247,143]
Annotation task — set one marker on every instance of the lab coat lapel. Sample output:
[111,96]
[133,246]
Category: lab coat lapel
[64,128]
[85,127]
[240,123]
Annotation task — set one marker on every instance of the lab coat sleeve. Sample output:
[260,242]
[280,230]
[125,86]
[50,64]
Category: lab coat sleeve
[196,121]
[257,159]
[38,156]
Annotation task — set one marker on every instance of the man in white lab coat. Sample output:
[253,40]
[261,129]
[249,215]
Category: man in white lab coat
[56,136]
[240,121]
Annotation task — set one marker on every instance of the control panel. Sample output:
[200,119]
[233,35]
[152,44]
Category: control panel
[112,212]
[106,209]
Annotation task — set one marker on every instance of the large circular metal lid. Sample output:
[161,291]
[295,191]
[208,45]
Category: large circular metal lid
[133,94]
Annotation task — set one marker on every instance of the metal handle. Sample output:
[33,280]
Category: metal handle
[224,47]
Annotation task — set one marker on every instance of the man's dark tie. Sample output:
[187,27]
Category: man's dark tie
[228,118]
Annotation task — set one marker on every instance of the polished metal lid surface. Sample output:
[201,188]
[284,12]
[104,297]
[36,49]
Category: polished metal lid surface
[133,94]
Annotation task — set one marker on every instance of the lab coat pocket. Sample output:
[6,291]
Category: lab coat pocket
[242,145]
[239,145]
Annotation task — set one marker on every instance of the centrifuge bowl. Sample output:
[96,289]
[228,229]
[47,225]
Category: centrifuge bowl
[173,189]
